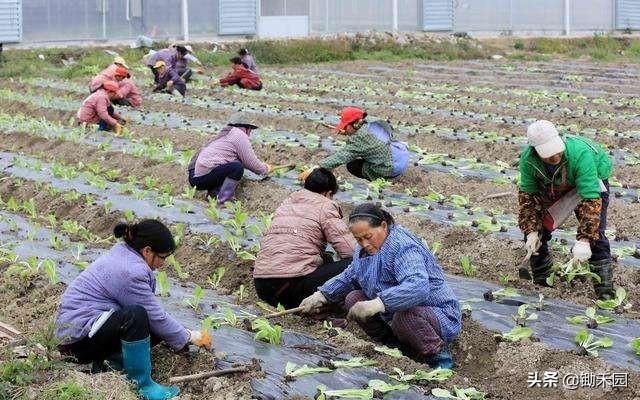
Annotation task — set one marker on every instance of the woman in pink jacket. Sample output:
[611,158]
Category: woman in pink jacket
[292,263]
[97,109]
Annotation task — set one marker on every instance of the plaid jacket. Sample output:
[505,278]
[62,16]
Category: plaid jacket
[404,274]
[363,145]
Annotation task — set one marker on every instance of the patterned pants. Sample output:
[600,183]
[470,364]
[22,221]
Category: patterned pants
[417,328]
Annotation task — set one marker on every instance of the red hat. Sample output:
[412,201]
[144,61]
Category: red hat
[122,71]
[110,86]
[348,116]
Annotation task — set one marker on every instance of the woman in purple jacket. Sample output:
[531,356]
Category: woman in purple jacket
[111,308]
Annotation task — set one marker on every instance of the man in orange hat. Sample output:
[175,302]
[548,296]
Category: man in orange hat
[97,109]
[370,151]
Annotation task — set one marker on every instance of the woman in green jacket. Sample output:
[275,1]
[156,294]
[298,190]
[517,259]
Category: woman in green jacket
[571,172]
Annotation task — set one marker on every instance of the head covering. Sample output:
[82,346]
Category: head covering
[243,120]
[189,48]
[159,64]
[544,137]
[120,60]
[122,71]
[111,86]
[348,116]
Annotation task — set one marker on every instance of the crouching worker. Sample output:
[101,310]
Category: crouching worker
[110,310]
[97,109]
[370,151]
[241,76]
[292,263]
[559,176]
[395,289]
[219,165]
[168,80]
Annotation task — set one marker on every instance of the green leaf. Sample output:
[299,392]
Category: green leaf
[516,334]
[581,337]
[389,351]
[442,393]
[292,370]
[385,387]
[355,362]
[635,345]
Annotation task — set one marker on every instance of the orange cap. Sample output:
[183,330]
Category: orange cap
[122,71]
[348,116]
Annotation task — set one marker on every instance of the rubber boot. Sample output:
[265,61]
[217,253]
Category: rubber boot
[227,190]
[604,270]
[442,359]
[540,268]
[136,358]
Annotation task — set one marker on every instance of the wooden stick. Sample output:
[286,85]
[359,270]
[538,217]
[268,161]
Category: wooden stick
[326,125]
[285,312]
[496,195]
[208,374]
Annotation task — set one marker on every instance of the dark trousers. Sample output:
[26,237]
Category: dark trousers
[102,125]
[185,74]
[600,249]
[122,102]
[155,74]
[213,180]
[355,168]
[416,329]
[130,323]
[291,291]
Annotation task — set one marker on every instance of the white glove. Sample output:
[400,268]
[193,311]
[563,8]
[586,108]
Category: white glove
[200,339]
[533,243]
[363,310]
[581,251]
[316,300]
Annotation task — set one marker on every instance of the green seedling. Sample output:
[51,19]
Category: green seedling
[355,362]
[568,271]
[459,201]
[212,212]
[165,200]
[377,185]
[50,268]
[71,196]
[29,207]
[265,220]
[266,332]
[208,241]
[467,268]
[196,298]
[52,220]
[504,279]
[255,229]
[209,323]
[178,231]
[12,205]
[185,208]
[617,304]
[395,353]
[216,277]
[501,294]
[89,200]
[435,247]
[516,334]
[241,291]
[539,305]
[358,394]
[292,370]
[129,215]
[150,182]
[163,283]
[458,393]
[635,346]
[71,227]
[24,269]
[230,318]
[590,318]
[189,192]
[382,387]
[436,375]
[521,317]
[177,267]
[112,174]
[55,242]
[587,344]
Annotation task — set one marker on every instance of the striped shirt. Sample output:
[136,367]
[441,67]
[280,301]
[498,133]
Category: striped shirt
[404,274]
[232,144]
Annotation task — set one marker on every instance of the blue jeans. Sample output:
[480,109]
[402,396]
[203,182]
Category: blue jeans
[215,177]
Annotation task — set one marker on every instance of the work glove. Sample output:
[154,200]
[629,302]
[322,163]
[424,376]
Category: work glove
[117,129]
[201,339]
[169,84]
[363,310]
[313,302]
[581,251]
[533,243]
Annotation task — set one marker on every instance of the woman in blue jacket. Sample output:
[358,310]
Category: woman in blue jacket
[394,288]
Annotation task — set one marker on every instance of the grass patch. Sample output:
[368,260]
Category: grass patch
[69,390]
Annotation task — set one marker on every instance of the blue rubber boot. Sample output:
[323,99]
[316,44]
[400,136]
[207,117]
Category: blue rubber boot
[136,359]
[227,190]
[441,360]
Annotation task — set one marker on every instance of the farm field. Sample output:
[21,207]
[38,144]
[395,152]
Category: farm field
[63,187]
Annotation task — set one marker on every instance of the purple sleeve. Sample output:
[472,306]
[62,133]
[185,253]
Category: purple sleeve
[247,156]
[177,79]
[139,292]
